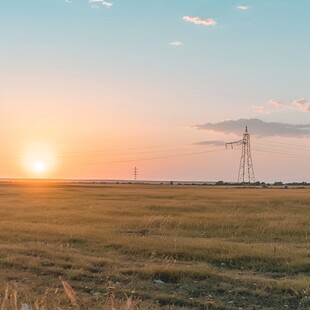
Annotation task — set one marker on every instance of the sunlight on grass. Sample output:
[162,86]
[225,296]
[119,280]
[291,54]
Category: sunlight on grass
[208,246]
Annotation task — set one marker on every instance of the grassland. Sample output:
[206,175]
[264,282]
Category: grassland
[167,247]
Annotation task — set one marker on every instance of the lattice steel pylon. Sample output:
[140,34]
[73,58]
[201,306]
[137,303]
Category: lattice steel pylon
[246,170]
[135,172]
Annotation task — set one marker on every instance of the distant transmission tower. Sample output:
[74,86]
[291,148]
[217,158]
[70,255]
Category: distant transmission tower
[135,172]
[246,170]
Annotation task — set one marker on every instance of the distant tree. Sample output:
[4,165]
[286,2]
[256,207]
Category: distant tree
[279,183]
[219,183]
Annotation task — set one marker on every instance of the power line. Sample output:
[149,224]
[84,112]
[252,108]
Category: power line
[284,146]
[105,153]
[307,147]
[282,154]
[151,158]
[116,152]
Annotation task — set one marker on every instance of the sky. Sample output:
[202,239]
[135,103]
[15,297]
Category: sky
[92,89]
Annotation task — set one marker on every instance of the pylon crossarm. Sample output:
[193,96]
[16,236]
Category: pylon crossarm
[231,144]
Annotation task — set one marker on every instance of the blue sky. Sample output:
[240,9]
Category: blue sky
[94,69]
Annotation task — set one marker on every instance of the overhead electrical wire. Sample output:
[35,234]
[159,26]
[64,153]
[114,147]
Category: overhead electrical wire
[153,158]
[282,154]
[283,145]
[105,152]
[274,149]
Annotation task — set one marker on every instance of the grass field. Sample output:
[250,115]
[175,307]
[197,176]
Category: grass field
[164,246]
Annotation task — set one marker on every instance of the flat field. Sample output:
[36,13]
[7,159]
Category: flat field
[154,246]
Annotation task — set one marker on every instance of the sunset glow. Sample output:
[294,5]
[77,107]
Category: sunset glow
[39,159]
[91,89]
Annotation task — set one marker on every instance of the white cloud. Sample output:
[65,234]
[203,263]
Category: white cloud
[95,3]
[200,21]
[107,4]
[273,105]
[68,1]
[242,7]
[301,105]
[176,43]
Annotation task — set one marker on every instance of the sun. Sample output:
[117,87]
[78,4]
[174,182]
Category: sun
[39,167]
[39,159]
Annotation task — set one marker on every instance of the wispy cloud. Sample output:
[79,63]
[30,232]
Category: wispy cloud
[258,128]
[274,105]
[200,21]
[242,7]
[214,143]
[68,1]
[176,43]
[107,4]
[95,3]
[301,105]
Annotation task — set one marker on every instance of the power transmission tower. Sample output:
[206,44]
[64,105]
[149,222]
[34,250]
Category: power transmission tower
[246,170]
[135,172]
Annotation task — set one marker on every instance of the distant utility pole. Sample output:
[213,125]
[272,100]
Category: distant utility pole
[135,172]
[246,170]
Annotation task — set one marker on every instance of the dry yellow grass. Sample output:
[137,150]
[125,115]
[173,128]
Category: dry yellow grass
[214,248]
